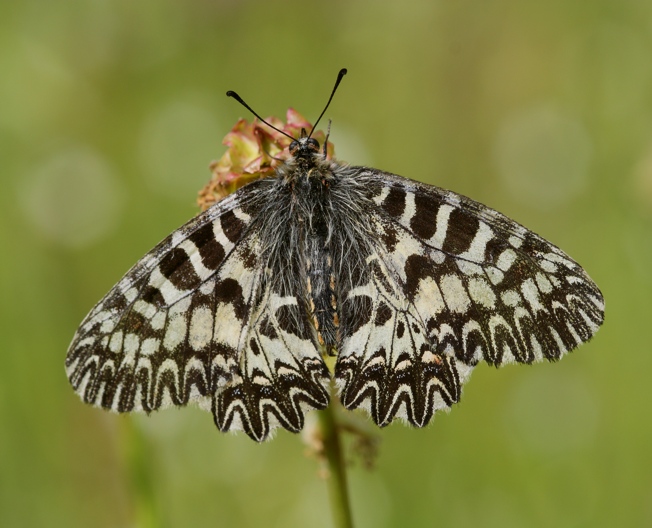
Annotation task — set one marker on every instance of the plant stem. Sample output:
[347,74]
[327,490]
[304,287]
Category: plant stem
[337,482]
[141,476]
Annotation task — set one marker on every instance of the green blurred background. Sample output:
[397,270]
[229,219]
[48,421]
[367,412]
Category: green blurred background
[110,112]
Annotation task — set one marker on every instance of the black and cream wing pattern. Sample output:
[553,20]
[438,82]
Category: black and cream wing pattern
[409,285]
[196,321]
[454,283]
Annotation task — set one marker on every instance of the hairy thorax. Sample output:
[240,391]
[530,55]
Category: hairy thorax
[308,240]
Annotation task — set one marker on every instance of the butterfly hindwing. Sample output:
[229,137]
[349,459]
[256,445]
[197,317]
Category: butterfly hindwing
[281,372]
[387,364]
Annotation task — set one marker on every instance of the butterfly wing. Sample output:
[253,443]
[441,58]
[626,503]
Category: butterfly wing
[188,323]
[281,373]
[387,364]
[479,286]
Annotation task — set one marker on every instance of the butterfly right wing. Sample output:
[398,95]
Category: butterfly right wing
[495,290]
[449,283]
[387,363]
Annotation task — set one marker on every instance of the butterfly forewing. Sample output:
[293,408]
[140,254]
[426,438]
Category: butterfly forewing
[484,286]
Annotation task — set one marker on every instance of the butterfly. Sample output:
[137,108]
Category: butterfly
[409,285]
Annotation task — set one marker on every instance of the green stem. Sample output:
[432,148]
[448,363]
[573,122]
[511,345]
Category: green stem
[141,476]
[337,483]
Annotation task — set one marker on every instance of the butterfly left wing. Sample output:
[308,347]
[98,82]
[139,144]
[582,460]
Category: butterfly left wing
[280,374]
[193,321]
[148,343]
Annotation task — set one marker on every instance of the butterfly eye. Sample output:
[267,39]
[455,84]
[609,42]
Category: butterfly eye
[294,146]
[312,144]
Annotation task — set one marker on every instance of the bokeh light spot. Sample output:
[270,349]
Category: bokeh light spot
[177,144]
[543,157]
[72,198]
[551,412]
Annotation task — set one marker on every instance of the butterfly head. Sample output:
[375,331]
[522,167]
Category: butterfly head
[304,147]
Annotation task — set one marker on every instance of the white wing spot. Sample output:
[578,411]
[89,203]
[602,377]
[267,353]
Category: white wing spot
[469,268]
[482,293]
[531,295]
[558,340]
[169,292]
[176,332]
[442,226]
[454,294]
[241,215]
[221,237]
[115,344]
[495,275]
[150,346]
[410,209]
[196,259]
[511,298]
[131,294]
[201,327]
[227,325]
[131,344]
[506,259]
[144,308]
[108,326]
[548,266]
[476,251]
[429,298]
[536,347]
[543,283]
[403,365]
[381,197]
[158,321]
[180,307]
[515,241]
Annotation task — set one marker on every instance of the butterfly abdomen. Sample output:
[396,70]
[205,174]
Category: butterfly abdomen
[320,280]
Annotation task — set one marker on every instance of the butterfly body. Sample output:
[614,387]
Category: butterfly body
[410,285]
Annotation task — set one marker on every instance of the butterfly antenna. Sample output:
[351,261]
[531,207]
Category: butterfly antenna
[231,93]
[328,133]
[340,75]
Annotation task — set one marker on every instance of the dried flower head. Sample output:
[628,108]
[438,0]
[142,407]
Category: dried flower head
[254,151]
